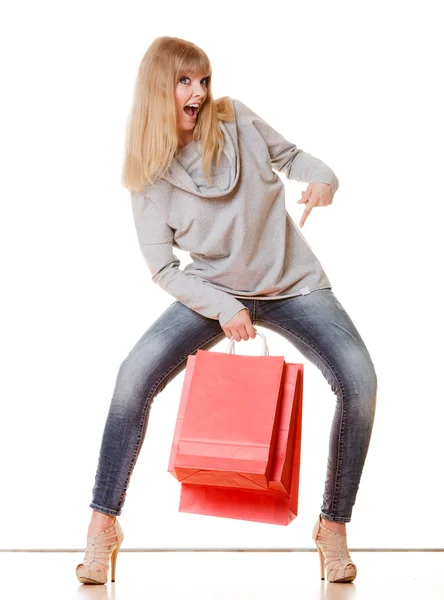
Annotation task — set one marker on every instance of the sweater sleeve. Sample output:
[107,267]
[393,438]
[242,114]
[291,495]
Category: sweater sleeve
[155,238]
[286,156]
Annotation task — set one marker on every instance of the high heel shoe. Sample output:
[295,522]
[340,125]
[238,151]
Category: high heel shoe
[333,554]
[100,548]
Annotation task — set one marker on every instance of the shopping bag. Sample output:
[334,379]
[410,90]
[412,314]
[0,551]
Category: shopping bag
[227,421]
[279,503]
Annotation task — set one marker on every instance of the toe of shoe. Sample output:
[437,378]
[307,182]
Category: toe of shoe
[86,575]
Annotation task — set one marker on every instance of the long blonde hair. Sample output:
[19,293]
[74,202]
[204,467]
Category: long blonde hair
[151,135]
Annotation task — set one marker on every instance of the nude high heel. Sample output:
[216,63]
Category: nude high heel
[100,548]
[333,554]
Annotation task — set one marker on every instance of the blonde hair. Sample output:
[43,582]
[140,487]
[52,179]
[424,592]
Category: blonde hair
[151,136]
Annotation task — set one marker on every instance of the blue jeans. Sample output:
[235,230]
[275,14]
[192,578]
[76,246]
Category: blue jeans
[316,324]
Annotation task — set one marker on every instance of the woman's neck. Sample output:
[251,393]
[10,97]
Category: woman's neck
[183,143]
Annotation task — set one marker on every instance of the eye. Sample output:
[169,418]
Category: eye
[205,80]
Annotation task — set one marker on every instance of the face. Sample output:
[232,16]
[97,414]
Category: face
[190,89]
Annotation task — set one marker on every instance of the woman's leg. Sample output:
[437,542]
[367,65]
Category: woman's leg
[159,355]
[318,325]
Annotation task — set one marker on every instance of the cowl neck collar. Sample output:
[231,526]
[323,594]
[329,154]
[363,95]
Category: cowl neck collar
[179,177]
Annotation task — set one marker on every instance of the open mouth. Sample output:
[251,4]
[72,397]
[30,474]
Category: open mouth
[191,111]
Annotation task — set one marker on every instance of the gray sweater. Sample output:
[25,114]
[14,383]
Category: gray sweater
[240,237]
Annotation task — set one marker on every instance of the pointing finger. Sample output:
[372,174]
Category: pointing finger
[304,216]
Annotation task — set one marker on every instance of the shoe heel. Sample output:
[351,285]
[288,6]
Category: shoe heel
[113,562]
[322,561]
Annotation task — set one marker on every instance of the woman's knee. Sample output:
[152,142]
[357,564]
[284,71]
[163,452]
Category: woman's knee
[360,379]
[362,404]
[368,379]
[140,374]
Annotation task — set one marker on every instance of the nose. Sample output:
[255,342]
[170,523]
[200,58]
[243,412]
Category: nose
[199,91]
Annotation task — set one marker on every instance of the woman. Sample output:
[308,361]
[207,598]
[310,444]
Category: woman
[251,266]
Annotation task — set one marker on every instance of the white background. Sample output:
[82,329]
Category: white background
[356,84]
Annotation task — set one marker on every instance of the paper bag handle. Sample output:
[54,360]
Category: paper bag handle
[265,352]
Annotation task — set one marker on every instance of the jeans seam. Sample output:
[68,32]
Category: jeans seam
[254,318]
[149,397]
[338,474]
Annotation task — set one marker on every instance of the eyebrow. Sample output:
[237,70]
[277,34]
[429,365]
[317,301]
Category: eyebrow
[185,74]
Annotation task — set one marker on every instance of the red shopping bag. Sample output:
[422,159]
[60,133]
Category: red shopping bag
[279,503]
[227,421]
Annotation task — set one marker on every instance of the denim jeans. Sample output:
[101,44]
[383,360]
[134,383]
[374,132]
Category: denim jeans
[316,324]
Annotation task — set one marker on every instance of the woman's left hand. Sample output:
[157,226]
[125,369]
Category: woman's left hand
[316,194]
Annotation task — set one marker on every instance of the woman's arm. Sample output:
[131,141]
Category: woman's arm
[285,156]
[156,244]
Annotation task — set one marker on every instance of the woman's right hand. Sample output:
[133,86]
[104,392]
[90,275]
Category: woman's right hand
[240,326]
